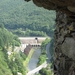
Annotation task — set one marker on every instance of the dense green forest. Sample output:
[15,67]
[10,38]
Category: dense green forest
[9,66]
[21,17]
[7,38]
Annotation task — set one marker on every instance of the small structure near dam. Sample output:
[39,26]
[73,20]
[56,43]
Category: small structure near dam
[27,49]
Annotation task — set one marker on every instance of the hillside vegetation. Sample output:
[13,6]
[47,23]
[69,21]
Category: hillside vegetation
[9,66]
[23,19]
[26,19]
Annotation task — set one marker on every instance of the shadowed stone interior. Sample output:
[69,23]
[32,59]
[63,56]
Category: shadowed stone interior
[64,34]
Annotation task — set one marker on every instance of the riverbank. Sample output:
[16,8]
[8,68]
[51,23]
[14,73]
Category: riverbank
[34,59]
[44,67]
[48,69]
[25,63]
[43,55]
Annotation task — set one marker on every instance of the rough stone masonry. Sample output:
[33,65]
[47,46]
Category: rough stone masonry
[64,46]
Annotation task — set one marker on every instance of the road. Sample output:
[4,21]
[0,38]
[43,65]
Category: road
[48,52]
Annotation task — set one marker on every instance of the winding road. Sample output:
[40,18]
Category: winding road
[48,53]
[44,65]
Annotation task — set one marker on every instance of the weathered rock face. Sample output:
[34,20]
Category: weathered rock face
[64,47]
[68,47]
[66,6]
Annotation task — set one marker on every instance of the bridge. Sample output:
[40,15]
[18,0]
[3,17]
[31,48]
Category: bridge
[33,41]
[44,65]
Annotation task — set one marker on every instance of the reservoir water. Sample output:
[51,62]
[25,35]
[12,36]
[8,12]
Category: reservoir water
[34,59]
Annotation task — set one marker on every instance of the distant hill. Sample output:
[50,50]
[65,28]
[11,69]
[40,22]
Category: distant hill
[15,14]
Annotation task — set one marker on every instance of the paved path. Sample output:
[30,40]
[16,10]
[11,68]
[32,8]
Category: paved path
[48,52]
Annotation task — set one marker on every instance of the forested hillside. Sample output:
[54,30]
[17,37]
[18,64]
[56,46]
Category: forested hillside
[8,66]
[23,19]
[26,19]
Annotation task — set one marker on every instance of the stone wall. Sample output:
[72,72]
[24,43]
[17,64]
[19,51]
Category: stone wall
[64,54]
[64,47]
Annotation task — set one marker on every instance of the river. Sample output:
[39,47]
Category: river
[34,59]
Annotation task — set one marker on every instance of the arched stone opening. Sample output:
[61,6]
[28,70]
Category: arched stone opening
[64,49]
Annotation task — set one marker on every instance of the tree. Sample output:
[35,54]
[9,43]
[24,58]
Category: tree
[1,26]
